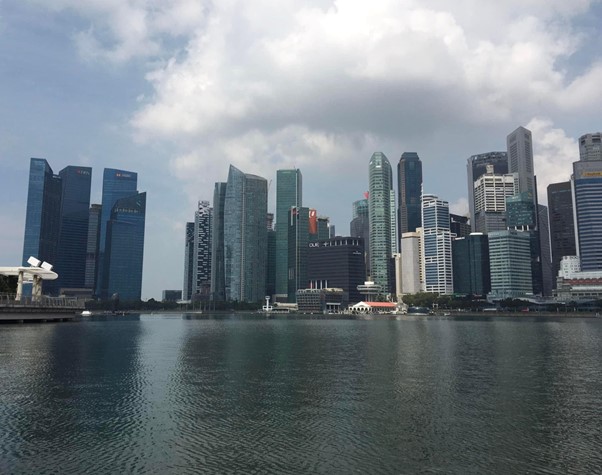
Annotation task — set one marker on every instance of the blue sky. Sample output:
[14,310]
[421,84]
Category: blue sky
[176,90]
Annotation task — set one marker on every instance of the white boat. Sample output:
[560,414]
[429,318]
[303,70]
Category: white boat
[86,313]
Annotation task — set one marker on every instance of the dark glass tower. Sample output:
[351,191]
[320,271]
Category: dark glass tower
[288,194]
[92,246]
[562,227]
[470,256]
[116,185]
[73,236]
[298,241]
[218,272]
[124,248]
[409,180]
[188,261]
[42,219]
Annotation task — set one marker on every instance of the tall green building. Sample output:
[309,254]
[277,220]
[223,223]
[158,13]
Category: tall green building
[288,195]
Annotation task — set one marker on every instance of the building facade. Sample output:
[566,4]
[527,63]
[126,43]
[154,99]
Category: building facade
[412,280]
[298,242]
[590,147]
[92,246]
[477,166]
[520,160]
[201,269]
[510,263]
[187,289]
[490,191]
[409,182]
[470,256]
[437,253]
[360,227]
[562,227]
[218,271]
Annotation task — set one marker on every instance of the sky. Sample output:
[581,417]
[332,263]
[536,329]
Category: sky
[177,90]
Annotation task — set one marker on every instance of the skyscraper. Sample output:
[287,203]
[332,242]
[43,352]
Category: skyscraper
[562,227]
[360,227]
[490,191]
[201,274]
[124,248]
[245,236]
[520,160]
[587,198]
[218,271]
[493,163]
[409,181]
[459,225]
[411,262]
[437,253]
[510,261]
[188,261]
[470,256]
[298,242]
[590,147]
[381,186]
[92,246]
[288,195]
[116,185]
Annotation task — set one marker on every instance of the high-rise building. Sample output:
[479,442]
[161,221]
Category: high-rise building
[411,262]
[245,236]
[337,263]
[42,219]
[124,248]
[495,163]
[270,285]
[510,263]
[470,256]
[409,182]
[489,194]
[360,227]
[459,225]
[562,227]
[437,253]
[590,147]
[380,212]
[298,242]
[520,160]
[73,235]
[288,194]
[92,246]
[188,261]
[201,274]
[586,183]
[218,271]
[116,185]
[543,225]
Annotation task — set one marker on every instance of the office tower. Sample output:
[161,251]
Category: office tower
[437,258]
[332,232]
[562,228]
[73,235]
[245,236]
[586,183]
[201,274]
[269,221]
[188,261]
[124,248]
[360,227]
[42,221]
[298,245]
[288,195]
[218,271]
[477,166]
[324,228]
[92,246]
[543,229]
[270,285]
[171,295]
[411,262]
[337,263]
[489,194]
[409,182]
[510,263]
[394,236]
[470,257]
[590,147]
[381,185]
[520,160]
[459,225]
[116,185]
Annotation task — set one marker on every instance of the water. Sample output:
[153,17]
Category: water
[159,394]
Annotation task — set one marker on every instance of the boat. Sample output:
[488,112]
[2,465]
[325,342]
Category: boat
[86,313]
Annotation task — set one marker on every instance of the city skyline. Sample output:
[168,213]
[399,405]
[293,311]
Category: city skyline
[161,99]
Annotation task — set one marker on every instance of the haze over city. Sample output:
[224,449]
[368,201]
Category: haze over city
[178,90]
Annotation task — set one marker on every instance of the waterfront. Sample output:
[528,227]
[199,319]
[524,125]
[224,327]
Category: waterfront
[166,394]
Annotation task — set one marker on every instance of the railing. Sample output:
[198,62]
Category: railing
[8,300]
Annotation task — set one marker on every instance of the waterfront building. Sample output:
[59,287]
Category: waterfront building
[116,185]
[331,300]
[586,183]
[92,246]
[188,261]
[590,147]
[490,191]
[437,257]
[459,225]
[477,166]
[201,269]
[218,271]
[288,194]
[124,248]
[412,280]
[470,256]
[299,233]
[562,228]
[337,262]
[380,213]
[510,264]
[573,284]
[409,182]
[360,227]
[245,236]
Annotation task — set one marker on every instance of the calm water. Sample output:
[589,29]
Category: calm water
[160,394]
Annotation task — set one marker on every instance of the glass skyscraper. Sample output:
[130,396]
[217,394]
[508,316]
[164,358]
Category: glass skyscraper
[470,257]
[188,261]
[288,194]
[92,246]
[201,273]
[124,247]
[409,180]
[218,272]
[298,242]
[562,227]
[360,227]
[380,212]
[245,236]
[510,261]
[437,252]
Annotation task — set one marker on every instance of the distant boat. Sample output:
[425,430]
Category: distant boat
[86,313]
[419,311]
